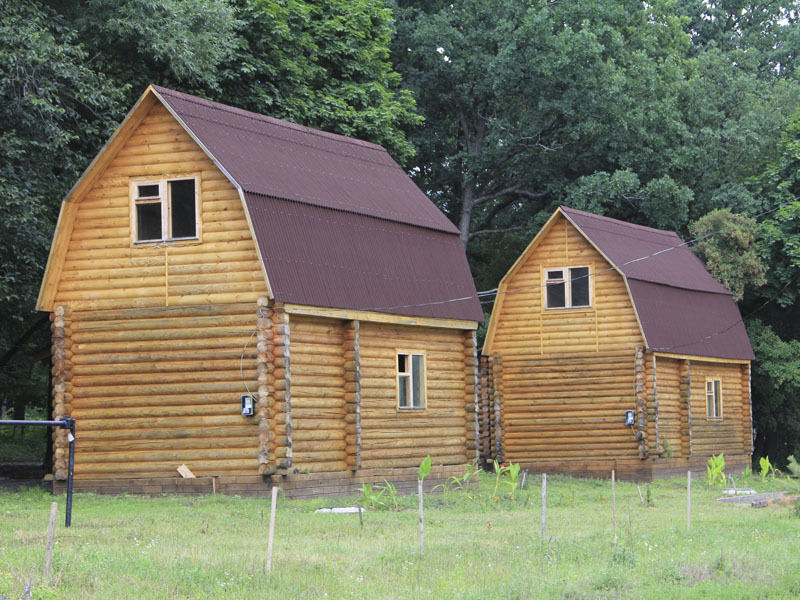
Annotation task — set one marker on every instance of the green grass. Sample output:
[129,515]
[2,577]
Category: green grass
[215,546]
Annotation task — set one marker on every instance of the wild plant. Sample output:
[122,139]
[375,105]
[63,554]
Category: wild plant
[793,465]
[512,472]
[766,468]
[715,471]
[371,497]
[391,490]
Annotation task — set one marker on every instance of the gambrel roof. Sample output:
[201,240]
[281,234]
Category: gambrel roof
[337,222]
[680,307]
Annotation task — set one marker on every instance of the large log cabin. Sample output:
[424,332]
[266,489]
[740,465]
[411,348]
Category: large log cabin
[596,320]
[210,258]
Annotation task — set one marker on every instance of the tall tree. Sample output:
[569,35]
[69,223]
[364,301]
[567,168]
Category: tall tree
[54,112]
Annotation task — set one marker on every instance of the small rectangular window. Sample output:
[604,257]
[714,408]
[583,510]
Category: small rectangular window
[567,287]
[165,210]
[410,380]
[714,398]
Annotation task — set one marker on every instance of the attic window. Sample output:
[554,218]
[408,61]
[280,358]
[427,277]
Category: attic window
[167,205]
[567,287]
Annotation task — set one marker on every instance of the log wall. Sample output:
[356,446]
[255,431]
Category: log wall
[731,434]
[561,408]
[391,437]
[318,395]
[672,423]
[156,388]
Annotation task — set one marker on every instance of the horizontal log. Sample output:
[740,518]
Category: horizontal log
[176,456]
[170,432]
[198,467]
[85,447]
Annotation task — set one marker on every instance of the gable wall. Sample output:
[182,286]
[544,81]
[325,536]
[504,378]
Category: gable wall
[402,438]
[525,328]
[103,269]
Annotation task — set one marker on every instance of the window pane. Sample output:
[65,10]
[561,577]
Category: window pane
[181,194]
[148,191]
[555,295]
[580,286]
[401,363]
[418,378]
[717,398]
[148,221]
[555,274]
[403,391]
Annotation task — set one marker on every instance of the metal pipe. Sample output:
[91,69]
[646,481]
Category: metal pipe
[71,470]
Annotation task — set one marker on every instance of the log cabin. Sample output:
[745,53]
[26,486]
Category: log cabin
[611,347]
[260,302]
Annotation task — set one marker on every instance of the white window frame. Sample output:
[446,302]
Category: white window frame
[166,208]
[408,375]
[566,279]
[714,398]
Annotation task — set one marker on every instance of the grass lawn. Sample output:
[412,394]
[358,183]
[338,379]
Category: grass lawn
[215,546]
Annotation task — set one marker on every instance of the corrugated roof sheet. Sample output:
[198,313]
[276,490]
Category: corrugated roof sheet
[682,308]
[323,257]
[338,223]
[276,158]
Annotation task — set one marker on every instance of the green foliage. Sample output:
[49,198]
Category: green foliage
[424,468]
[766,468]
[715,471]
[506,475]
[793,466]
[371,497]
[776,387]
[727,246]
[667,448]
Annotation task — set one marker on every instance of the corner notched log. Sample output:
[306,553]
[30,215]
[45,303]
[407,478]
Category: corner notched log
[61,333]
[641,402]
[352,378]
[263,333]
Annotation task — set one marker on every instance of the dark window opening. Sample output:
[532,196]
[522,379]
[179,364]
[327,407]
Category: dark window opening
[183,212]
[148,219]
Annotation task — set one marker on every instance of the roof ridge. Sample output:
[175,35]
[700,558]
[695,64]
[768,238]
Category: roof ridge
[584,213]
[273,120]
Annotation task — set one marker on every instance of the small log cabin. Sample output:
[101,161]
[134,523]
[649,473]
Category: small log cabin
[210,258]
[597,318]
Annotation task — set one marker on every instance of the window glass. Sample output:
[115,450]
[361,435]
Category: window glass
[404,391]
[418,379]
[580,286]
[556,295]
[148,220]
[148,191]
[181,194]
[717,398]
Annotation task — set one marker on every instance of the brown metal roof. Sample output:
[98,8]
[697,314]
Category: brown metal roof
[276,158]
[338,223]
[682,308]
[323,257]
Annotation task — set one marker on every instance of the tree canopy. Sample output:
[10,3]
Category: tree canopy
[678,114]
